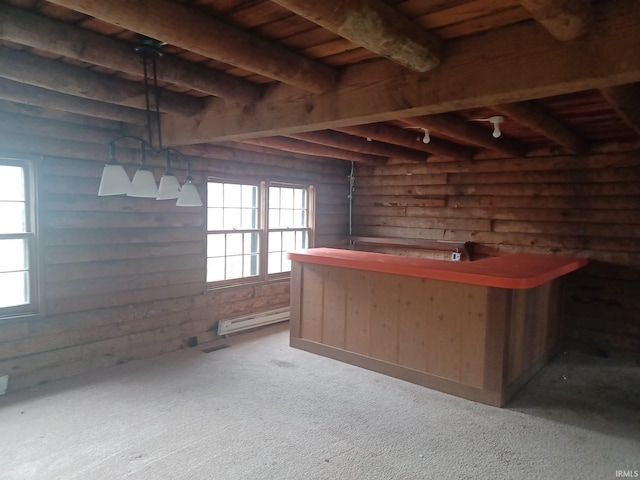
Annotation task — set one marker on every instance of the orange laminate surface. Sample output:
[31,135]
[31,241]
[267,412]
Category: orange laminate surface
[507,271]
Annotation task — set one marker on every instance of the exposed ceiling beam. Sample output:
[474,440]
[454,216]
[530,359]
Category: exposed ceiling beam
[375,26]
[25,28]
[298,146]
[625,99]
[489,69]
[184,27]
[40,97]
[399,136]
[7,106]
[356,144]
[564,19]
[531,116]
[451,125]
[64,78]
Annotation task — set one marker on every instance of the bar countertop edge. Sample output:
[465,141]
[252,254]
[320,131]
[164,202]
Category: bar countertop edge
[516,271]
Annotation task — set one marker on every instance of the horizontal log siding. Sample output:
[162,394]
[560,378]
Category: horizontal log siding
[585,206]
[124,278]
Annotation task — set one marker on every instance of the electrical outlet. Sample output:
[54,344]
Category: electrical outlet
[4,383]
[455,256]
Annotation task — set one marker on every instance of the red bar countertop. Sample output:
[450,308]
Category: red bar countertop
[507,271]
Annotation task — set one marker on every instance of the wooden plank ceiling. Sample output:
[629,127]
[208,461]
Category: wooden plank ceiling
[355,80]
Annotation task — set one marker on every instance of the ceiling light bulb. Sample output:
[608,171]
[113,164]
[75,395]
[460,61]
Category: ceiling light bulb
[427,137]
[496,120]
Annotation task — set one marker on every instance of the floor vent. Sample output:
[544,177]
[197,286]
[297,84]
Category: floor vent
[233,325]
[214,349]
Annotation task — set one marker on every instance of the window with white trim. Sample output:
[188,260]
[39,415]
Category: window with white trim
[252,225]
[17,238]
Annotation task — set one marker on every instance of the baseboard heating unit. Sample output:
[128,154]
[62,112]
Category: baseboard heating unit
[233,325]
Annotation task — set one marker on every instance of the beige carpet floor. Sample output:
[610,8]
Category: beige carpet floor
[262,410]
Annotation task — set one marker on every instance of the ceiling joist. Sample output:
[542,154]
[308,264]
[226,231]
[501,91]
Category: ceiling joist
[381,91]
[375,26]
[184,27]
[529,115]
[384,132]
[299,146]
[453,126]
[564,19]
[36,31]
[62,77]
[356,144]
[625,99]
[40,97]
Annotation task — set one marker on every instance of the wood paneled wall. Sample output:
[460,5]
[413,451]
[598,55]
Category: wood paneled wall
[585,206]
[123,278]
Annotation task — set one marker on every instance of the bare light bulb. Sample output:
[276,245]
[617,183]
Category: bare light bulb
[496,120]
[427,137]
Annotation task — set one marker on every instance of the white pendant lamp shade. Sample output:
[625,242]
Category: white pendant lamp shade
[189,196]
[169,188]
[114,181]
[143,184]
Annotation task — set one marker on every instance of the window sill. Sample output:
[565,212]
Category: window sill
[240,283]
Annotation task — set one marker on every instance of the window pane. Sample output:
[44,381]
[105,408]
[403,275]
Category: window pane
[288,241]
[13,255]
[250,265]
[215,269]
[300,198]
[301,240]
[215,219]
[215,197]
[275,260]
[232,219]
[286,264]
[274,197]
[13,217]
[286,198]
[215,245]
[232,195]
[249,196]
[249,218]
[251,243]
[286,218]
[275,241]
[234,244]
[14,289]
[12,183]
[234,267]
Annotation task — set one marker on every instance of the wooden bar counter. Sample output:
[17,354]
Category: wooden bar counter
[479,330]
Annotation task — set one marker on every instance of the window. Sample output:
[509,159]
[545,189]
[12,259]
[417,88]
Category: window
[17,239]
[252,226]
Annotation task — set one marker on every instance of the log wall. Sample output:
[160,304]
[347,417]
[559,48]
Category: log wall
[124,278]
[584,206]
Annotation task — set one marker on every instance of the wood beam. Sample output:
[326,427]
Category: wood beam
[531,116]
[375,26]
[81,82]
[399,136]
[625,99]
[42,127]
[564,19]
[40,97]
[451,125]
[356,144]
[7,106]
[273,151]
[26,28]
[470,77]
[298,146]
[188,28]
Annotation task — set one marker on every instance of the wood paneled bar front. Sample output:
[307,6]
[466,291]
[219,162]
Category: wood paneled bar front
[479,330]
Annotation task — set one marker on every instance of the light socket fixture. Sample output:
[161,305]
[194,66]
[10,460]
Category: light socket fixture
[114,180]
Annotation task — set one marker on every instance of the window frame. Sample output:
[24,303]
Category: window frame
[263,227]
[30,235]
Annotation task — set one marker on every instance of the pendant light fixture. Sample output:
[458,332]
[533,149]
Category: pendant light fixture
[114,179]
